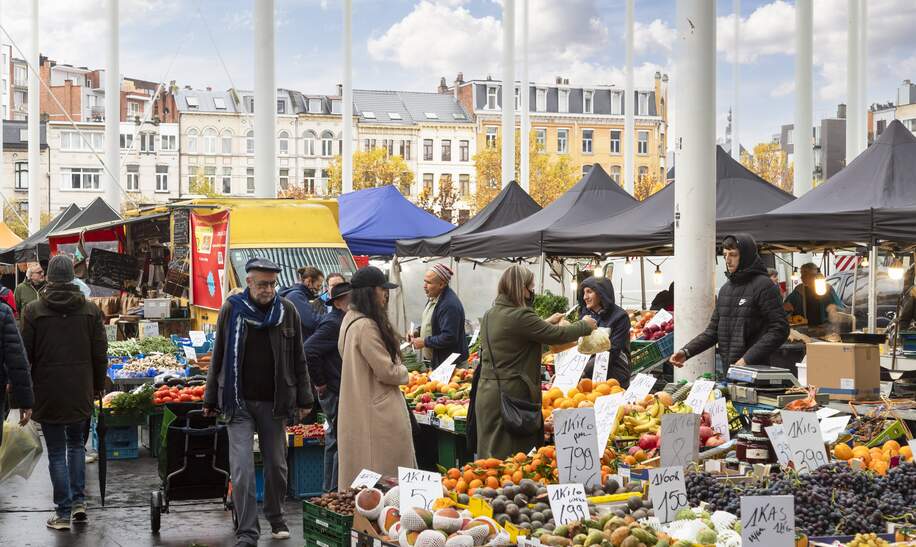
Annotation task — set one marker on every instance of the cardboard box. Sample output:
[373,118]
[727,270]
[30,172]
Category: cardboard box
[847,372]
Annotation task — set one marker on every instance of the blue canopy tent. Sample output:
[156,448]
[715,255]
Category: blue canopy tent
[372,220]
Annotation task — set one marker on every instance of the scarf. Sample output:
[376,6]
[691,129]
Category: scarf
[242,314]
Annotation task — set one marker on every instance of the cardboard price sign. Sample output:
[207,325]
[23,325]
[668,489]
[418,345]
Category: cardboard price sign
[190,354]
[667,492]
[365,479]
[639,388]
[833,426]
[198,338]
[606,409]
[578,458]
[768,521]
[680,439]
[699,395]
[599,373]
[780,444]
[443,372]
[418,489]
[569,370]
[806,443]
[718,417]
[149,330]
[474,337]
[568,503]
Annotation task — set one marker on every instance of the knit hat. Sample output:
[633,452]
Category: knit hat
[60,269]
[442,271]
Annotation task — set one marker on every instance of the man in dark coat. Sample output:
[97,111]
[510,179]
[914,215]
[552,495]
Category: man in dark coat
[304,295]
[442,330]
[748,322]
[596,298]
[14,369]
[67,346]
[324,363]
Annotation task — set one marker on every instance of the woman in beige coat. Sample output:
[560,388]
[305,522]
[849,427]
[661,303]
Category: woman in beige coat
[373,425]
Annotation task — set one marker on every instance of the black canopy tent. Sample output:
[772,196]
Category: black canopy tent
[95,213]
[648,228]
[35,247]
[510,205]
[594,197]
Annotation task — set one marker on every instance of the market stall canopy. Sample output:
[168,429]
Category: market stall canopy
[7,237]
[95,213]
[864,202]
[511,205]
[649,226]
[35,247]
[372,220]
[594,197]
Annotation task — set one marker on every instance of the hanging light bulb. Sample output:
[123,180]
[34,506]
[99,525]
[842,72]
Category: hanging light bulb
[895,270]
[657,276]
[796,277]
[628,267]
[820,284]
[864,262]
[573,285]
[598,271]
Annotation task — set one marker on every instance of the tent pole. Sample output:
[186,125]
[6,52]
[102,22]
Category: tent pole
[872,284]
[543,266]
[642,280]
[855,283]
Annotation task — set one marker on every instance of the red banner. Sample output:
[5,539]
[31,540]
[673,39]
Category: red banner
[210,235]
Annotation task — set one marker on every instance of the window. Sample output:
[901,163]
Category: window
[309,141]
[209,141]
[562,141]
[617,103]
[148,142]
[335,106]
[427,150]
[191,101]
[882,124]
[168,143]
[464,185]
[540,137]
[540,100]
[20,75]
[133,178]
[491,136]
[210,175]
[446,150]
[77,178]
[219,103]
[249,143]
[428,183]
[518,98]
[21,171]
[389,147]
[127,140]
[308,180]
[587,136]
[643,105]
[162,178]
[431,115]
[74,141]
[249,180]
[405,150]
[563,100]
[284,143]
[642,147]
[615,174]
[281,106]
[464,150]
[327,144]
[395,116]
[615,141]
[315,106]
[369,115]
[643,173]
[192,141]
[284,178]
[491,98]
[227,180]
[133,109]
[588,101]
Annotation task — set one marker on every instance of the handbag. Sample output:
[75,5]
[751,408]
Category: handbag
[519,416]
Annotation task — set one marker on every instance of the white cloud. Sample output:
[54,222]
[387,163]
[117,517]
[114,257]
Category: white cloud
[656,36]
[783,89]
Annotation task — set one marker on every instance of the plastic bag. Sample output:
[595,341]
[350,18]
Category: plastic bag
[599,340]
[21,448]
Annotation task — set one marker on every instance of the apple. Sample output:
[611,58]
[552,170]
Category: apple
[648,441]
[705,433]
[715,440]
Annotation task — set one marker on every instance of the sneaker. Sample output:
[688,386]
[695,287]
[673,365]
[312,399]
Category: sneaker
[60,523]
[78,513]
[279,531]
[91,457]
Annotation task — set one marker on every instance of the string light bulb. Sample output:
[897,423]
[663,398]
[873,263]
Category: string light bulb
[796,277]
[598,271]
[659,279]
[573,285]
[820,284]
[864,262]
[628,267]
[895,270]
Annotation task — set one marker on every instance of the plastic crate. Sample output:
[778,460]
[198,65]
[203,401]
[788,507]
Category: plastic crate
[305,471]
[121,442]
[908,341]
[639,344]
[653,353]
[314,537]
[360,539]
[332,523]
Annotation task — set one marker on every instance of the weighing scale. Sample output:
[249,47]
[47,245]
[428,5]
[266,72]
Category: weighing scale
[764,385]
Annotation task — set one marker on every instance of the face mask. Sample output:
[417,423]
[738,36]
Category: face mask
[325,297]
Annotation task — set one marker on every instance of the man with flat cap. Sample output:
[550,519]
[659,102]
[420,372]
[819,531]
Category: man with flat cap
[442,330]
[258,379]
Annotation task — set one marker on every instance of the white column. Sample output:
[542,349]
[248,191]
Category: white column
[508,92]
[265,101]
[804,62]
[853,103]
[736,70]
[872,289]
[629,104]
[863,75]
[113,109]
[524,140]
[695,196]
[347,99]
[34,127]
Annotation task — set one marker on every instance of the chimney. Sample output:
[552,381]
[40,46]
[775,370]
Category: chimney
[665,78]
[559,80]
[658,75]
[906,82]
[209,88]
[458,81]
[460,78]
[340,90]
[489,78]
[443,87]
[841,111]
[187,87]
[565,81]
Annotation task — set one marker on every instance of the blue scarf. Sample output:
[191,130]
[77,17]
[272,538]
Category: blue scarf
[242,314]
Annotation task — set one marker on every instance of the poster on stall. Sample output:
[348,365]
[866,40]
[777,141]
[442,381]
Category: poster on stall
[210,235]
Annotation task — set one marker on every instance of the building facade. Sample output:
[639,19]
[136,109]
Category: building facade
[828,140]
[19,89]
[14,185]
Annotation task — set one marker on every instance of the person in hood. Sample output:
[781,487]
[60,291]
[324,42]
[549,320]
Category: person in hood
[664,300]
[596,299]
[748,322]
[66,372]
[304,296]
[8,298]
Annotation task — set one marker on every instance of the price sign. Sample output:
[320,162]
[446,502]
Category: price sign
[474,337]
[718,417]
[599,373]
[780,444]
[639,388]
[405,345]
[667,492]
[577,443]
[198,338]
[111,332]
[418,489]
[413,328]
[150,329]
[567,503]
[606,408]
[806,444]
[699,394]
[833,426]
[569,370]
[912,444]
[444,371]
[826,412]
[768,521]
[190,354]
[365,479]
[680,439]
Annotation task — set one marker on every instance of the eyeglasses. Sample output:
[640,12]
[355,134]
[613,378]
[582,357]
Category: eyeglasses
[261,285]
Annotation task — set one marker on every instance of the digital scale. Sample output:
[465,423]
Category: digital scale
[765,385]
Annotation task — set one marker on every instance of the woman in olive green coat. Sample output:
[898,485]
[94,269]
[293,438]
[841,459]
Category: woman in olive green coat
[512,339]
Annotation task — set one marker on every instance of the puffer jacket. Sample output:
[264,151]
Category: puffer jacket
[613,318]
[14,368]
[748,321]
[309,306]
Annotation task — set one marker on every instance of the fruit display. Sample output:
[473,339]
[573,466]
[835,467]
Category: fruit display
[876,459]
[609,529]
[419,384]
[134,346]
[442,406]
[310,431]
[174,394]
[656,332]
[638,320]
[867,540]
[583,395]
[150,366]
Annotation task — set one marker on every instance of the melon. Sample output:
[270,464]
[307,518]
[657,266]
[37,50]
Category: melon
[416,520]
[430,538]
[388,517]
[406,538]
[458,540]
[478,532]
[393,498]
[501,538]
[448,520]
[369,503]
[395,530]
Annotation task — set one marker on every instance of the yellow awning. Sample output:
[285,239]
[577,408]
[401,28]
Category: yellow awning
[7,237]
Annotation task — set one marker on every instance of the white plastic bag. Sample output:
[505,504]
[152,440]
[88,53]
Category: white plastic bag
[599,340]
[21,448]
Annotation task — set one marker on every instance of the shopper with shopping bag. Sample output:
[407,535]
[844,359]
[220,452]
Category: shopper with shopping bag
[14,369]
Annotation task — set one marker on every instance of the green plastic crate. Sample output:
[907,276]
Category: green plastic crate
[314,537]
[653,353]
[327,522]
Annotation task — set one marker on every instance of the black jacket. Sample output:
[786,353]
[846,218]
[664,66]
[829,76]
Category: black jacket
[448,329]
[292,386]
[308,305]
[67,346]
[14,368]
[321,354]
[614,318]
[748,320]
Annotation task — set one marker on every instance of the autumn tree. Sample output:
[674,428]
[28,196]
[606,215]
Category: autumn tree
[647,185]
[18,222]
[771,164]
[200,186]
[372,168]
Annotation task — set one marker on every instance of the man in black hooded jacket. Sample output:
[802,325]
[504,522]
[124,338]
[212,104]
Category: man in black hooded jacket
[596,298]
[748,322]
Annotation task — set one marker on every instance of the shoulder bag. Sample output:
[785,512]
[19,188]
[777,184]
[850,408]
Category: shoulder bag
[519,416]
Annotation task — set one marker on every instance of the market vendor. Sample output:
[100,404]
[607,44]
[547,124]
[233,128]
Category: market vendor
[596,299]
[442,330]
[805,301]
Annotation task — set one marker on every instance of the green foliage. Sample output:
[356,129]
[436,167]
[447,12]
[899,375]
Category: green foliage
[548,304]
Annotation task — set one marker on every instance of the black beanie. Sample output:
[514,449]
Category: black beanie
[60,270]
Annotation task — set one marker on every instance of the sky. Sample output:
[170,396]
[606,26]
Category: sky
[409,45]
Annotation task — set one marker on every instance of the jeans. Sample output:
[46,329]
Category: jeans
[329,405]
[66,463]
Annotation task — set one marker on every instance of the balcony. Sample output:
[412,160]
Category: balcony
[97,113]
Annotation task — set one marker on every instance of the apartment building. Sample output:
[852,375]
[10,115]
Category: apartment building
[14,184]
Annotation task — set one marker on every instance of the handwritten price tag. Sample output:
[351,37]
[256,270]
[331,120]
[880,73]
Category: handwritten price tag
[444,371]
[569,370]
[780,444]
[699,395]
[150,329]
[599,373]
[667,492]
[606,409]
[577,443]
[366,479]
[190,354]
[474,337]
[806,443]
[768,521]
[833,426]
[198,338]
[680,439]
[567,502]
[418,489]
[639,388]
[718,417]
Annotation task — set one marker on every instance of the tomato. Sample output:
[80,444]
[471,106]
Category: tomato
[200,391]
[185,398]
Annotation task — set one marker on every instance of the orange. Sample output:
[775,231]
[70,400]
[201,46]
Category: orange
[877,454]
[613,382]
[629,460]
[450,484]
[454,473]
[593,396]
[842,451]
[475,484]
[641,456]
[891,445]
[549,452]
[568,403]
[585,385]
[603,389]
[469,476]
[586,404]
[880,467]
[906,453]
[520,457]
[555,393]
[517,476]
[572,393]
[617,389]
[578,398]
[492,482]
[461,487]
[862,453]
[472,492]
